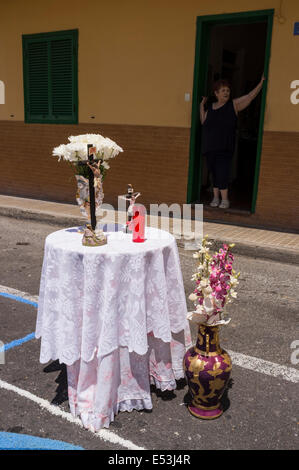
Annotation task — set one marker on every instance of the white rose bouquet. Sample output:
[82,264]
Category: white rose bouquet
[76,151]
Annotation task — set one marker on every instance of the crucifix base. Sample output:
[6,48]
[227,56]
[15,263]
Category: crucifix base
[93,237]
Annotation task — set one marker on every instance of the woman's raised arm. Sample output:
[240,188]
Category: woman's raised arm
[245,100]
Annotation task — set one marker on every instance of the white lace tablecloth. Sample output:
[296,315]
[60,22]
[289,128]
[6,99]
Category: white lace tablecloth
[116,316]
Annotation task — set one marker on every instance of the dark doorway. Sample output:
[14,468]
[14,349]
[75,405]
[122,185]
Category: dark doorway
[237,53]
[234,46]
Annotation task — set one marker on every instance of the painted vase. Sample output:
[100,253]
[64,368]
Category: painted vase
[82,195]
[207,369]
[91,237]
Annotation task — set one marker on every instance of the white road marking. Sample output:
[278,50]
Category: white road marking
[247,362]
[55,410]
[103,434]
[265,367]
[18,293]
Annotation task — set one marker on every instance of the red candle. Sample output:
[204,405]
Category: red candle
[138,223]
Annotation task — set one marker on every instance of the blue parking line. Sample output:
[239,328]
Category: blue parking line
[13,441]
[18,342]
[19,299]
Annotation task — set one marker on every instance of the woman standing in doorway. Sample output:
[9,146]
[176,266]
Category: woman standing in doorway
[219,133]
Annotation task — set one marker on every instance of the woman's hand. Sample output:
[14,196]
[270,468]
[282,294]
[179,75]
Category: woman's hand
[244,101]
[204,100]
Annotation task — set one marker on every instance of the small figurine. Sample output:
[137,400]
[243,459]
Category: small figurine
[95,167]
[130,196]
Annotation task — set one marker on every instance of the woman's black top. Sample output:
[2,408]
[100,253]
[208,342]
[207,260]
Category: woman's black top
[219,130]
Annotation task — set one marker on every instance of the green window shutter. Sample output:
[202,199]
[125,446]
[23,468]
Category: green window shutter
[50,77]
[61,78]
[38,100]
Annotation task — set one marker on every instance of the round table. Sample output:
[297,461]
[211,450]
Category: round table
[116,315]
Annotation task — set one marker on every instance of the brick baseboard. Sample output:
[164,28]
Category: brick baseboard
[155,161]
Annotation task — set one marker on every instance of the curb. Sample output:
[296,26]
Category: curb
[250,250]
[279,255]
[43,217]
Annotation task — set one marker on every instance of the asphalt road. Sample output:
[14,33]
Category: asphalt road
[261,410]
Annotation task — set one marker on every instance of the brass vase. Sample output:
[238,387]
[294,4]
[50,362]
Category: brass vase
[207,369]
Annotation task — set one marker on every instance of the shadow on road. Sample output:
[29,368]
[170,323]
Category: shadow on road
[167,395]
[61,390]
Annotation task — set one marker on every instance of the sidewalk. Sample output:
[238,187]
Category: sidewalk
[277,246]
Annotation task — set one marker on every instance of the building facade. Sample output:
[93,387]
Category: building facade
[135,71]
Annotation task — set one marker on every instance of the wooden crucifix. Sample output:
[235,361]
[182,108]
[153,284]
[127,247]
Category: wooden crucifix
[91,151]
[93,170]
[94,179]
